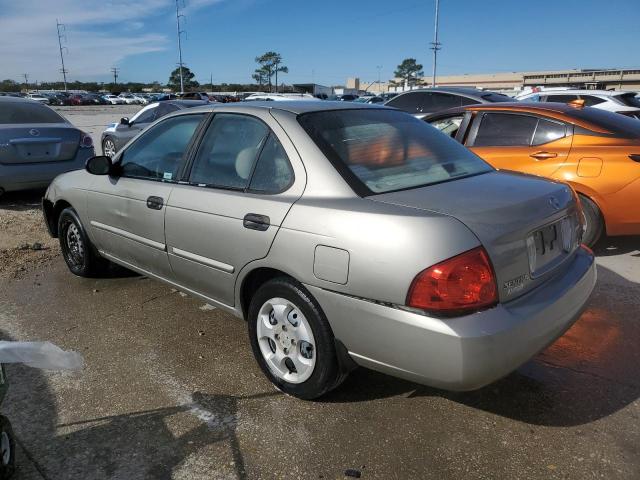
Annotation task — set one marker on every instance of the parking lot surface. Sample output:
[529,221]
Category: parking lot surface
[171,390]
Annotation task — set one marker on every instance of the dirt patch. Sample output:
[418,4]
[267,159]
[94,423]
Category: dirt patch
[25,244]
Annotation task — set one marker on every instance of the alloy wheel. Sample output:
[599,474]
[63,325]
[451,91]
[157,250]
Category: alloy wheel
[286,340]
[109,148]
[75,245]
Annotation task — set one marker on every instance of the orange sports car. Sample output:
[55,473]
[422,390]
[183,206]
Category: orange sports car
[595,151]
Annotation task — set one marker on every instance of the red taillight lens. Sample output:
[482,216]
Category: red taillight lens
[86,141]
[464,282]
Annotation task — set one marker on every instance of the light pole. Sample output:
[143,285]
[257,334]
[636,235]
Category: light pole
[178,15]
[435,45]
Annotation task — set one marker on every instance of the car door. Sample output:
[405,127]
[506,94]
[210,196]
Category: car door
[140,121]
[127,212]
[240,188]
[521,142]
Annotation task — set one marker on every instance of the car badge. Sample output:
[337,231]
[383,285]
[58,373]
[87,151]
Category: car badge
[35,133]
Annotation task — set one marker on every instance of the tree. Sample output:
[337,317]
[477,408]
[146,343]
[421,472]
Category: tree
[409,71]
[271,64]
[187,77]
[9,86]
[260,76]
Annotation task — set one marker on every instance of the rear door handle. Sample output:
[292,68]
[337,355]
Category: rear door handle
[155,203]
[543,155]
[255,221]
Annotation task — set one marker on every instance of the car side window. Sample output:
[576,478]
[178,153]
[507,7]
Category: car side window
[548,131]
[590,100]
[412,102]
[444,101]
[448,125]
[147,116]
[503,129]
[158,153]
[273,172]
[561,98]
[228,151]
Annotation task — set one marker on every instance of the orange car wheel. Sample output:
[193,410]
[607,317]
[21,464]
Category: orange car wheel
[593,218]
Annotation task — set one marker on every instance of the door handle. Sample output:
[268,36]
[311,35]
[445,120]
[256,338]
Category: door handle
[254,221]
[543,155]
[155,203]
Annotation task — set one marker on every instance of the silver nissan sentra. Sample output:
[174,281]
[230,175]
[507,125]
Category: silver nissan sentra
[343,234]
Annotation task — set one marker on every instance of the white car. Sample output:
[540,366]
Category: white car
[38,98]
[129,99]
[278,97]
[142,100]
[618,101]
[114,100]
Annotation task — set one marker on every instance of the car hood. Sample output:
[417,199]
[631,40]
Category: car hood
[502,210]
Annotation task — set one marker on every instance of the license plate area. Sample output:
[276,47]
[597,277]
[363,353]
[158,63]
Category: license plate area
[549,245]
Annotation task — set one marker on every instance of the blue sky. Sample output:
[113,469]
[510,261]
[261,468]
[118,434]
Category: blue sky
[325,41]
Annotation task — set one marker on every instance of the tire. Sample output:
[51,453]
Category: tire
[79,253]
[311,342]
[594,221]
[7,449]
[108,147]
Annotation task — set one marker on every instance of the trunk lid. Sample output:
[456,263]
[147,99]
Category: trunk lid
[36,143]
[522,221]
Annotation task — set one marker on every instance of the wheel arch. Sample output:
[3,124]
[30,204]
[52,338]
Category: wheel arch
[254,280]
[52,213]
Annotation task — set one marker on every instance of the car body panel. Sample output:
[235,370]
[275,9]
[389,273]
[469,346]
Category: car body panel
[197,243]
[596,164]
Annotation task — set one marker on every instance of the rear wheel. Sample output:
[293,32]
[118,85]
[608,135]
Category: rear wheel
[291,339]
[7,449]
[594,221]
[109,147]
[81,256]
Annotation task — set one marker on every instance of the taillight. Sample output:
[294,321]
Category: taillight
[85,140]
[462,283]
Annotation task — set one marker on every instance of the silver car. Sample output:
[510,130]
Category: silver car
[116,135]
[37,144]
[344,234]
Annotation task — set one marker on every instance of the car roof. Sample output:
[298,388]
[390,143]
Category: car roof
[464,91]
[559,111]
[183,103]
[294,106]
[10,98]
[577,91]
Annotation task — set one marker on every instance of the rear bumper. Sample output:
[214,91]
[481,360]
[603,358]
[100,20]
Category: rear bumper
[463,353]
[14,177]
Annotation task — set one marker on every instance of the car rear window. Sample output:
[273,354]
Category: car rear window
[379,151]
[629,99]
[22,112]
[618,125]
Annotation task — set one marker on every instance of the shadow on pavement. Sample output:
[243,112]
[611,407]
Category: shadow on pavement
[20,201]
[587,374]
[133,445]
[609,246]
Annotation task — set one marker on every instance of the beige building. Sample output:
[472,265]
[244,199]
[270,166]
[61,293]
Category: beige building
[617,79]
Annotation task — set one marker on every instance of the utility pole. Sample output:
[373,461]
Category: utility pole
[435,45]
[211,81]
[115,71]
[180,32]
[379,68]
[26,80]
[276,77]
[62,33]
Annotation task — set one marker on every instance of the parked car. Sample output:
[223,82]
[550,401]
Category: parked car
[595,151]
[93,99]
[129,99]
[343,98]
[436,99]
[38,98]
[195,96]
[278,97]
[74,99]
[618,101]
[369,99]
[114,100]
[53,98]
[167,96]
[36,144]
[345,234]
[118,134]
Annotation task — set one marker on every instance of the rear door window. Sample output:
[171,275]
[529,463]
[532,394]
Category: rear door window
[561,98]
[590,100]
[444,101]
[412,102]
[548,131]
[504,129]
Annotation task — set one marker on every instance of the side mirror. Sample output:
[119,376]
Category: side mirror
[99,165]
[125,121]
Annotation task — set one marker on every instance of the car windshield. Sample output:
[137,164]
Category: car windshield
[380,151]
[18,112]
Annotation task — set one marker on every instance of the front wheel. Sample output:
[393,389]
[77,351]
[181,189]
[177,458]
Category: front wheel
[7,449]
[109,147]
[79,253]
[291,339]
